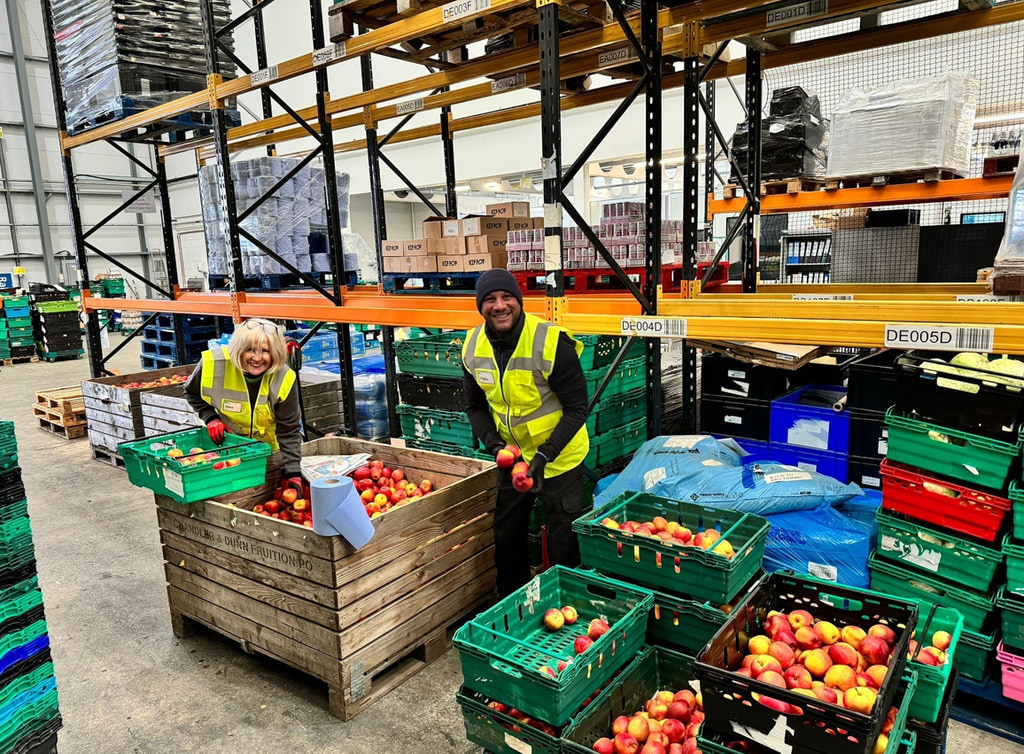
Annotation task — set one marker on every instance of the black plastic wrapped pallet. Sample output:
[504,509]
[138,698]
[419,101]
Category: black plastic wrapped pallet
[793,100]
[735,417]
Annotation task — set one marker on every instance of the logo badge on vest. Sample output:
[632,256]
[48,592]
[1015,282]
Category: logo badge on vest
[232,407]
[484,377]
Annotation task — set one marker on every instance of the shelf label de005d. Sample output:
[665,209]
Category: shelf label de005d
[940,337]
[653,327]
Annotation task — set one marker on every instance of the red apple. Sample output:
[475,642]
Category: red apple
[597,628]
[582,644]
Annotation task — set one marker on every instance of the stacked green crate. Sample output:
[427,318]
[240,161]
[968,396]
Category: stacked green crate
[28,692]
[15,326]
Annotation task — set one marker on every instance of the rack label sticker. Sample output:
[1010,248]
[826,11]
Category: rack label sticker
[614,57]
[508,83]
[412,106]
[796,12]
[328,54]
[517,744]
[822,571]
[263,76]
[460,8]
[553,215]
[940,337]
[987,299]
[552,253]
[870,481]
[172,480]
[823,297]
[653,327]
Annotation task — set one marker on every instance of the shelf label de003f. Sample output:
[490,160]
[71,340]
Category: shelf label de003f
[940,337]
[460,8]
[653,327]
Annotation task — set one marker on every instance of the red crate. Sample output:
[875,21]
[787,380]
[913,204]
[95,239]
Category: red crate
[974,513]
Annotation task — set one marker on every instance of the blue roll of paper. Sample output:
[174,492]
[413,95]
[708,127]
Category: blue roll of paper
[337,509]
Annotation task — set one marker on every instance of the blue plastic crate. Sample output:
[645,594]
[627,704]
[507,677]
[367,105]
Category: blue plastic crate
[758,450]
[835,465]
[818,428]
[12,312]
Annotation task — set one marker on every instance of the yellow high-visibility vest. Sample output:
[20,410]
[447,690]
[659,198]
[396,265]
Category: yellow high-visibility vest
[223,387]
[525,408]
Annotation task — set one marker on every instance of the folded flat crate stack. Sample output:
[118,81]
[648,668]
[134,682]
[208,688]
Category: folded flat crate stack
[954,444]
[29,714]
[159,343]
[57,326]
[16,339]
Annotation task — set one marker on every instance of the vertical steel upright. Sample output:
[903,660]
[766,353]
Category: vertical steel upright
[551,145]
[261,63]
[691,223]
[752,94]
[387,339]
[649,38]
[451,205]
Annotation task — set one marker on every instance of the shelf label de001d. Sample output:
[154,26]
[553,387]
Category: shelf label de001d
[940,337]
[653,327]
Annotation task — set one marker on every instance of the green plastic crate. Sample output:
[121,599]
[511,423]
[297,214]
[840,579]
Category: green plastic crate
[113,286]
[498,732]
[15,302]
[27,712]
[589,350]
[149,466]
[435,425]
[630,375]
[615,410]
[616,443]
[655,669]
[448,449]
[15,323]
[949,557]
[950,452]
[931,680]
[19,599]
[49,307]
[24,683]
[20,638]
[1017,496]
[685,570]
[974,656]
[927,591]
[12,511]
[503,648]
[1014,567]
[685,624]
[433,356]
[1011,610]
[15,536]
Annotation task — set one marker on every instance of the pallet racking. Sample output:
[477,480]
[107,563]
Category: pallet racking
[691,34]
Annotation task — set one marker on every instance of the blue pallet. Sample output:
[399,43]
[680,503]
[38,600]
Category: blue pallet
[278,282]
[835,465]
[16,312]
[19,654]
[983,706]
[464,283]
[159,362]
[125,106]
[188,321]
[194,336]
[157,348]
[830,428]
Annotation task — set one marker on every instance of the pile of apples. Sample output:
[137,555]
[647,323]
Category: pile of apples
[668,724]
[510,458]
[175,379]
[199,456]
[673,533]
[556,619]
[287,505]
[382,488]
[523,719]
[935,653]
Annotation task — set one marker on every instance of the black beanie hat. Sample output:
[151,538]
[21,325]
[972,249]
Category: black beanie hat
[496,280]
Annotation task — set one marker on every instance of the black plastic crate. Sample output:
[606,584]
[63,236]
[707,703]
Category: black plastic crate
[866,472]
[432,392]
[890,218]
[729,698]
[723,378]
[735,418]
[931,737]
[872,382]
[822,373]
[974,400]
[869,435]
[12,488]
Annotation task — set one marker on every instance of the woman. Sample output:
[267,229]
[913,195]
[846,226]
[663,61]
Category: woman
[251,371]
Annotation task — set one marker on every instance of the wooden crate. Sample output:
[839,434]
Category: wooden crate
[361,621]
[167,410]
[321,404]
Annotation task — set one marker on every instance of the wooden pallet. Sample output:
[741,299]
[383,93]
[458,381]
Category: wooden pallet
[361,621]
[782,186]
[57,416]
[891,179]
[62,400]
[67,432]
[20,360]
[107,456]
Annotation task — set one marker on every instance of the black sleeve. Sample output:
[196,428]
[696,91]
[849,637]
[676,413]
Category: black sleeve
[479,412]
[288,417]
[568,383]
[194,397]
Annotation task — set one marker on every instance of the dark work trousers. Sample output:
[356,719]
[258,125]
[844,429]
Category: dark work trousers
[563,503]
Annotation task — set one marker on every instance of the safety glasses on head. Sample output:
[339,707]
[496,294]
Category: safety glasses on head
[268,327]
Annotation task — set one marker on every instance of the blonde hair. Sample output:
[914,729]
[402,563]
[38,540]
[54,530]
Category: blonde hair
[244,338]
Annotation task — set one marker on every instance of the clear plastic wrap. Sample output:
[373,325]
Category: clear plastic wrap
[929,120]
[820,542]
[1010,257]
[292,222]
[117,57]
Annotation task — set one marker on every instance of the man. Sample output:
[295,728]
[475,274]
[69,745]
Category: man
[525,387]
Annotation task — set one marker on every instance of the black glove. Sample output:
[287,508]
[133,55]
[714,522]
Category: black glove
[494,447]
[536,472]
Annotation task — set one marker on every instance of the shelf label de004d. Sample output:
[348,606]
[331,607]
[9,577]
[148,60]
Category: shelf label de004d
[653,327]
[940,337]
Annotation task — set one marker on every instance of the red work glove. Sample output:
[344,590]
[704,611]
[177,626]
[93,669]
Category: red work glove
[294,353]
[216,430]
[296,483]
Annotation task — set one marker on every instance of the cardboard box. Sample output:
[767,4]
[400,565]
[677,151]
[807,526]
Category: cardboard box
[484,226]
[435,246]
[481,262]
[433,227]
[391,248]
[509,209]
[450,264]
[454,245]
[414,248]
[538,223]
[409,265]
[450,228]
[486,244]
[521,223]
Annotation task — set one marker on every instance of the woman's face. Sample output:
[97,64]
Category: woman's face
[256,360]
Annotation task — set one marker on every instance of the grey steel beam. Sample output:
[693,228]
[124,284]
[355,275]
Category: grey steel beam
[10,206]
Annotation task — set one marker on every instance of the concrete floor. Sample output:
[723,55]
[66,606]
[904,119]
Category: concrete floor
[128,686]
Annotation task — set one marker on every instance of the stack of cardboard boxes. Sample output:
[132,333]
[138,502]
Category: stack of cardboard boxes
[467,245]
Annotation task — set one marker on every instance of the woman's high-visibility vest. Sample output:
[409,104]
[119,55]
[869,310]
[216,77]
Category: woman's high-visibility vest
[525,408]
[223,387]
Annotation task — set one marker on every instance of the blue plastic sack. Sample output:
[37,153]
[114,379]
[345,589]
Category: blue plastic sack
[863,510]
[820,542]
